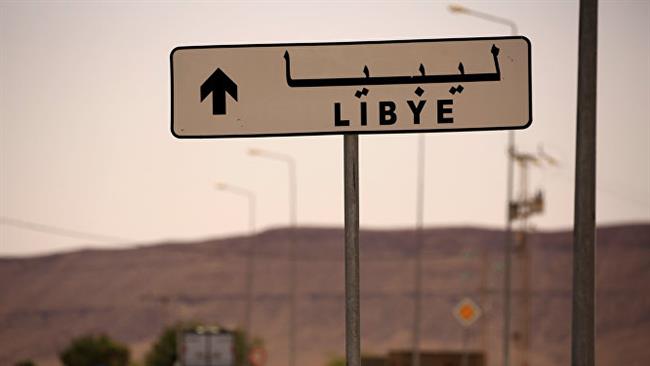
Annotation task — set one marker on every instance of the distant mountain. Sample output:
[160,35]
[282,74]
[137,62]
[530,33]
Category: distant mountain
[132,294]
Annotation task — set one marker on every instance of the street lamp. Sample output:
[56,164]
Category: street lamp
[291,164]
[459,9]
[250,257]
[507,293]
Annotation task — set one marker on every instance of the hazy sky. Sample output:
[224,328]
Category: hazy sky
[85,109]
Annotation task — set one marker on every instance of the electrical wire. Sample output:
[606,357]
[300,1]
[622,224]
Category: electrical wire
[59,231]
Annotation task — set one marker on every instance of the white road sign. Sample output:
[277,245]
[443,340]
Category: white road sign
[208,349]
[194,349]
[361,87]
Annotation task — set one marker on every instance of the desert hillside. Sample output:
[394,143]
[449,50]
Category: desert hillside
[131,294]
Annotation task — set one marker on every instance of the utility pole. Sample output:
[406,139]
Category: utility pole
[520,211]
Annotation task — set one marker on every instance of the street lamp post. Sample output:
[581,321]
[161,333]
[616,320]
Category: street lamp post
[507,283]
[250,256]
[291,164]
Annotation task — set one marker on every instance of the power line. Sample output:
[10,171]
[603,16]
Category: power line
[602,186]
[55,230]
[607,189]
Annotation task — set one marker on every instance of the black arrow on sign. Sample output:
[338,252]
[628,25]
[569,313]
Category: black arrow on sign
[218,84]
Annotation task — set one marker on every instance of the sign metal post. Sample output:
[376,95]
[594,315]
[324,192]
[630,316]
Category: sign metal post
[352,306]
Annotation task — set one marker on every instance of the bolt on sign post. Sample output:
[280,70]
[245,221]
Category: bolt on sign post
[351,88]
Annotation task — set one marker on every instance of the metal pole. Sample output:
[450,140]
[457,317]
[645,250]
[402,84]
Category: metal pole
[250,268]
[293,296]
[584,234]
[180,349]
[208,348]
[508,244]
[524,269]
[485,297]
[507,290]
[352,308]
[510,176]
[292,263]
[465,357]
[415,355]
[508,261]
[250,258]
